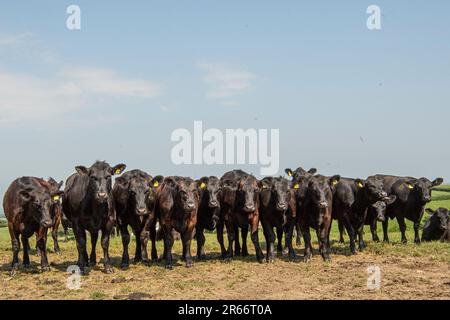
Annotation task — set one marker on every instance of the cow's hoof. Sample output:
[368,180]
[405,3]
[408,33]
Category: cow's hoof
[109,270]
[245,254]
[307,259]
[189,264]
[57,251]
[124,266]
[26,265]
[137,260]
[146,263]
[45,268]
[169,267]
[262,260]
[202,257]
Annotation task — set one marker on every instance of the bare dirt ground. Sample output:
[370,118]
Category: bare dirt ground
[408,272]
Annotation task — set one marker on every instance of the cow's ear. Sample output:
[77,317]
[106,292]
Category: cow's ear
[390,199]
[156,181]
[118,169]
[360,183]
[263,184]
[202,182]
[25,195]
[429,211]
[334,180]
[437,182]
[60,184]
[289,172]
[82,170]
[312,171]
[410,185]
[56,196]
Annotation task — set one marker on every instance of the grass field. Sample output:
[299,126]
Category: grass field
[408,272]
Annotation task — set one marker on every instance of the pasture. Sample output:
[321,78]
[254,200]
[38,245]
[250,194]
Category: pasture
[408,272]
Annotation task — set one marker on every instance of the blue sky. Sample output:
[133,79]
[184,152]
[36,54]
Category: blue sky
[346,100]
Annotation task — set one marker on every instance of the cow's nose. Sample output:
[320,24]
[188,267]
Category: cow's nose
[142,211]
[282,206]
[383,194]
[191,205]
[427,198]
[47,223]
[249,207]
[381,218]
[213,204]
[101,194]
[323,204]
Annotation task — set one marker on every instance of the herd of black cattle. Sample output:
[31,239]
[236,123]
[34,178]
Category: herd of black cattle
[236,201]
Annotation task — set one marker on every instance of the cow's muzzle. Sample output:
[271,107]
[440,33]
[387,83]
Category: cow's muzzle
[323,204]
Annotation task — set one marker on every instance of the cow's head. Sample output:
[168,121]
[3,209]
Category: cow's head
[421,188]
[381,205]
[187,194]
[373,188]
[279,190]
[100,174]
[248,192]
[300,172]
[38,203]
[210,193]
[320,190]
[54,187]
[440,217]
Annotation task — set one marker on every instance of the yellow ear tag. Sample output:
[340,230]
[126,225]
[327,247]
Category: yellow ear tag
[360,185]
[290,173]
[155,184]
[410,186]
[202,185]
[56,198]
[296,186]
[334,182]
[118,171]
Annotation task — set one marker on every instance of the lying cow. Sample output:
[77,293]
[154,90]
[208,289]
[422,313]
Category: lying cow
[88,203]
[278,210]
[176,209]
[134,196]
[208,216]
[27,205]
[436,227]
[316,213]
[412,196]
[351,200]
[240,209]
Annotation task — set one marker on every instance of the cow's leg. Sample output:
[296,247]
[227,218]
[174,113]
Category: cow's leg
[244,234]
[373,230]
[402,226]
[80,237]
[237,244]
[385,230]
[66,238]
[186,238]
[322,236]
[308,247]
[341,231]
[55,228]
[15,243]
[361,242]
[42,245]
[200,243]
[26,248]
[270,239]
[416,232]
[220,238]
[280,241]
[144,237]
[154,252]
[289,233]
[138,252]
[93,256]
[350,231]
[168,244]
[254,223]
[231,234]
[125,235]
[298,229]
[106,233]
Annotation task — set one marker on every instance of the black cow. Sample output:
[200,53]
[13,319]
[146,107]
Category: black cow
[134,195]
[27,205]
[240,209]
[300,176]
[436,227]
[351,200]
[316,213]
[208,216]
[278,210]
[177,207]
[377,212]
[88,203]
[56,212]
[412,196]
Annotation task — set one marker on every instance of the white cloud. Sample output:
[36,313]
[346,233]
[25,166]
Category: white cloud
[25,97]
[224,81]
